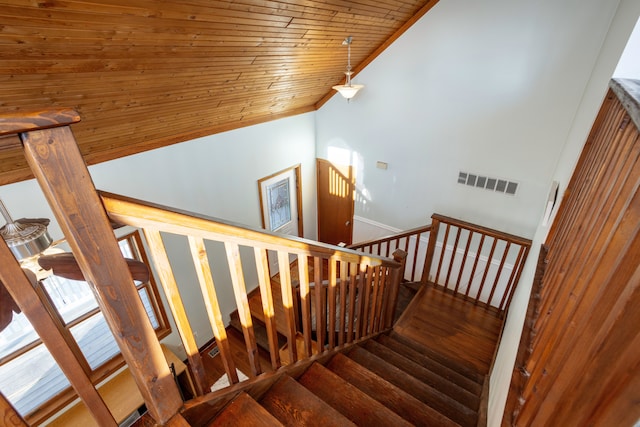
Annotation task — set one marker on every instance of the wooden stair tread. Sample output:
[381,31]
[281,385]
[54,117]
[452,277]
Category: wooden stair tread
[459,329]
[465,370]
[244,411]
[348,399]
[393,397]
[423,374]
[294,405]
[431,364]
[437,400]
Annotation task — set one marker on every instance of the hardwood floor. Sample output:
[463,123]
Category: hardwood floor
[459,329]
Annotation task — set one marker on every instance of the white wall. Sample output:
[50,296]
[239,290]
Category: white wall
[500,88]
[610,52]
[488,87]
[215,175]
[629,64]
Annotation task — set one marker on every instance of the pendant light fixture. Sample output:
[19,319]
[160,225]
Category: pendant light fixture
[24,237]
[348,90]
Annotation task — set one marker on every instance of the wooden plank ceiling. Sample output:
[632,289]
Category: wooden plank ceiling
[148,73]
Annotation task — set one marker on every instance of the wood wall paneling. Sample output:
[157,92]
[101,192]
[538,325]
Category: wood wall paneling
[584,362]
[145,74]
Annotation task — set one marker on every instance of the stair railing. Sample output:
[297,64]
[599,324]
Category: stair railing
[479,263]
[85,217]
[413,242]
[349,274]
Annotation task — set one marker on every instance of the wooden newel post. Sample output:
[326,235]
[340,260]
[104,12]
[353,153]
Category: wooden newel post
[431,248]
[56,162]
[396,277]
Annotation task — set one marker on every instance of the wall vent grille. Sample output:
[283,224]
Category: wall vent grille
[488,183]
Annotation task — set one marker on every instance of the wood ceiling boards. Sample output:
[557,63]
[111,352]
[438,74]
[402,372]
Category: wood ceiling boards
[145,73]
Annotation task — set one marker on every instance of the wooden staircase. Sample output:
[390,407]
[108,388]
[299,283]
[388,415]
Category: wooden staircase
[354,364]
[392,379]
[386,381]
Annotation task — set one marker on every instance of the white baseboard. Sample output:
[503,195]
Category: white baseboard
[367,229]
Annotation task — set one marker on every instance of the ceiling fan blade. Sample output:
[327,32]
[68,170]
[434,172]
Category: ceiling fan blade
[7,307]
[65,265]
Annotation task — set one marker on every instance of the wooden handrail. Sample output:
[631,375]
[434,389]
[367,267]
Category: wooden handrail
[129,211]
[487,279]
[482,230]
[409,241]
[360,294]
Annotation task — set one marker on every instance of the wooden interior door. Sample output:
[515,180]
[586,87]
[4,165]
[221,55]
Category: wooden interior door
[583,364]
[335,202]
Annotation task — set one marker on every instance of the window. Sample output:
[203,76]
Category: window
[29,377]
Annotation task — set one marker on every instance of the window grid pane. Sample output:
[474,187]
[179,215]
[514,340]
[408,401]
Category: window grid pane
[18,334]
[31,379]
[148,307]
[72,298]
[95,340]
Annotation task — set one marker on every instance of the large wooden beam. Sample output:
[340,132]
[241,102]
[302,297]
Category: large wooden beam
[25,296]
[55,160]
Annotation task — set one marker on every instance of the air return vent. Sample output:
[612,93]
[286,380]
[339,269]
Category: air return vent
[488,183]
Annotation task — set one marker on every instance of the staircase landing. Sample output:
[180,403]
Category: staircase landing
[460,330]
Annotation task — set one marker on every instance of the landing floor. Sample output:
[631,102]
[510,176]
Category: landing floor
[461,330]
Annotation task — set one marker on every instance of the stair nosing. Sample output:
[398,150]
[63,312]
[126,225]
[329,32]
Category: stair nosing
[439,401]
[423,359]
[463,396]
[371,402]
[454,366]
[432,416]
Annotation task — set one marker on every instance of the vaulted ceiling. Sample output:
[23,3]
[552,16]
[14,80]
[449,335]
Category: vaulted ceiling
[149,73]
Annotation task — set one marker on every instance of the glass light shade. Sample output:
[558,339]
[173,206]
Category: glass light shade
[348,91]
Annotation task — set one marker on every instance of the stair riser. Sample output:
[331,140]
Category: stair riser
[405,405]
[426,376]
[432,397]
[442,370]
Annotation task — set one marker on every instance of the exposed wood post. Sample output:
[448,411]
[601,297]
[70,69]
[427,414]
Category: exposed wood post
[25,296]
[57,164]
[396,277]
[431,247]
